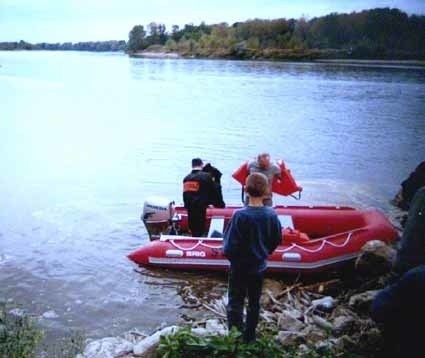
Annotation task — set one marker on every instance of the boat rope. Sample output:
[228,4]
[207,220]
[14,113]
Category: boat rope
[199,243]
[293,246]
[185,248]
[322,245]
[211,247]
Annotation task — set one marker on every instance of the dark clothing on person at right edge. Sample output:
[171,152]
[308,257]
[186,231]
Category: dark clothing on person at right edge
[412,245]
[199,191]
[410,186]
[399,309]
[253,234]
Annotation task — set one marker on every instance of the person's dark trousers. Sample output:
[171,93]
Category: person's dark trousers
[197,216]
[244,284]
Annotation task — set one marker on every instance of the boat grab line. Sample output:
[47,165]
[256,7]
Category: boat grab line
[293,246]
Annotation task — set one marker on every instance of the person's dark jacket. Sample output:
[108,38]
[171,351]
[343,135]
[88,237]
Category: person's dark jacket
[218,201]
[399,310]
[198,189]
[410,186]
[412,245]
[253,234]
[405,298]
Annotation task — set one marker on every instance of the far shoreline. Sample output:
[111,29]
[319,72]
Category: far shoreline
[334,61]
[164,55]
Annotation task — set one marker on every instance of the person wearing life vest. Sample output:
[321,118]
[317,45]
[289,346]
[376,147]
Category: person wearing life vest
[199,191]
[271,170]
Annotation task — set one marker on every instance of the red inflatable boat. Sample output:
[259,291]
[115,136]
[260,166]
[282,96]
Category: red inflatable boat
[313,238]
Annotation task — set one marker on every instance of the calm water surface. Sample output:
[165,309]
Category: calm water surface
[85,138]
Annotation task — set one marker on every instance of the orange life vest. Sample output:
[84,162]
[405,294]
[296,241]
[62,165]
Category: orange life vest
[284,186]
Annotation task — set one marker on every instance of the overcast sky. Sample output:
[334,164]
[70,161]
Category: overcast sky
[82,20]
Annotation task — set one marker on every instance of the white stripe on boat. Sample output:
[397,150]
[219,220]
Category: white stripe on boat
[270,264]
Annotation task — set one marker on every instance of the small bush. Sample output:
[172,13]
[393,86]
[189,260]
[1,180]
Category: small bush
[18,336]
[185,344]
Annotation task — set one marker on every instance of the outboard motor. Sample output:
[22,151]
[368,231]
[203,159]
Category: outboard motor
[159,217]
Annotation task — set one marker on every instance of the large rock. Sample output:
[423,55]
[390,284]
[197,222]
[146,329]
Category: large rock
[325,304]
[313,333]
[322,323]
[50,315]
[200,331]
[273,287]
[362,301]
[290,338]
[289,322]
[213,327]
[344,325]
[324,347]
[376,258]
[334,345]
[148,343]
[109,347]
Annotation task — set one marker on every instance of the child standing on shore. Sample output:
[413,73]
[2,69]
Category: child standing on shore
[252,235]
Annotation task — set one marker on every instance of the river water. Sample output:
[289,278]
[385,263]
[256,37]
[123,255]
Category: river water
[85,138]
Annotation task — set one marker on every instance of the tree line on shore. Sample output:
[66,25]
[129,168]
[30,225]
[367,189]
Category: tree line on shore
[376,33]
[97,46]
[381,33]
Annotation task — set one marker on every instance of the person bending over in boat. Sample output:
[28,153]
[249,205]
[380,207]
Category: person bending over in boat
[252,235]
[199,191]
[270,170]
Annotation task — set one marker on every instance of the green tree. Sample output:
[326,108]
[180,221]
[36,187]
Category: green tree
[162,34]
[171,45]
[136,38]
